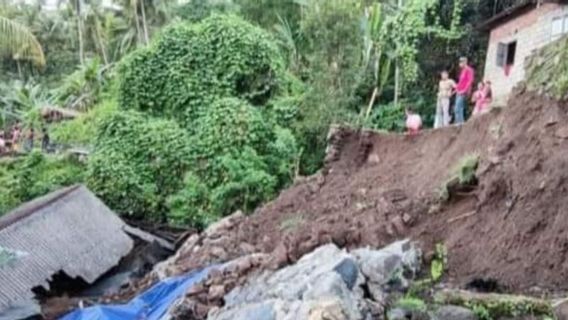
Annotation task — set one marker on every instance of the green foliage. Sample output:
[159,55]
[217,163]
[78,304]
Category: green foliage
[190,205]
[241,157]
[461,175]
[197,10]
[248,182]
[465,169]
[18,98]
[83,129]
[509,308]
[547,70]
[138,162]
[388,117]
[411,303]
[409,24]
[192,66]
[481,312]
[33,175]
[82,88]
[325,49]
[439,262]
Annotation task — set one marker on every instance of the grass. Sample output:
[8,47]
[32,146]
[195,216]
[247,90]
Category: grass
[411,303]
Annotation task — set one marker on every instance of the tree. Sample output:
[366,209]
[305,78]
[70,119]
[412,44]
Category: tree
[19,42]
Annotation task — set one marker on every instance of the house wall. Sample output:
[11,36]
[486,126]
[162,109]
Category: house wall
[531,30]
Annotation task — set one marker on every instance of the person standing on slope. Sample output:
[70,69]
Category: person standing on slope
[445,92]
[463,89]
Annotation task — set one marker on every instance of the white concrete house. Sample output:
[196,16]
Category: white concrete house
[515,34]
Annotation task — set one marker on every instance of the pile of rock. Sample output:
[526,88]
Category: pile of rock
[215,245]
[328,283]
[209,295]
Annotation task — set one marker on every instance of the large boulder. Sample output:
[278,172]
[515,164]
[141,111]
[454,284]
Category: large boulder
[328,283]
[318,286]
[390,268]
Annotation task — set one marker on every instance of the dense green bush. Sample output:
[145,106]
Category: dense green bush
[239,159]
[138,161]
[152,168]
[221,84]
[83,129]
[33,175]
[192,65]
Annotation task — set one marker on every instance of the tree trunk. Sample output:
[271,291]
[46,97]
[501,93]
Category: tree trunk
[372,102]
[80,31]
[144,23]
[137,21]
[397,69]
[101,44]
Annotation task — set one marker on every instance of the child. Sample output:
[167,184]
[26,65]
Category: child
[446,90]
[413,122]
[482,97]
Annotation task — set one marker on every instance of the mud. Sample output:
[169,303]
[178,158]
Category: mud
[377,188]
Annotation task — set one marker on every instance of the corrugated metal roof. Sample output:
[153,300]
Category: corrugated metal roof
[70,230]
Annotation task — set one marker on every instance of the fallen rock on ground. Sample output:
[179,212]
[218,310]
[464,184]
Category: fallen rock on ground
[327,284]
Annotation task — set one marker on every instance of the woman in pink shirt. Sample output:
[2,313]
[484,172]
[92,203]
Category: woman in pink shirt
[482,97]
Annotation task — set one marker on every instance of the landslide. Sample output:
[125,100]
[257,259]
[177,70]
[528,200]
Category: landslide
[511,227]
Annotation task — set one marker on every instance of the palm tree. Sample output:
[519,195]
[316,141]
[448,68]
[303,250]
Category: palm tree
[19,42]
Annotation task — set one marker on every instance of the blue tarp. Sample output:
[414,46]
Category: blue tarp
[153,304]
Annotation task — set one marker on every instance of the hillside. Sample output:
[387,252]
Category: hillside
[377,188]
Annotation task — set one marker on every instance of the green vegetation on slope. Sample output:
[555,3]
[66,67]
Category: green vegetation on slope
[33,175]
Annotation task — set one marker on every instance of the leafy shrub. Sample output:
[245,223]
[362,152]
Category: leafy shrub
[439,263]
[82,88]
[239,159]
[248,183]
[34,175]
[83,129]
[137,162]
[388,117]
[192,65]
[216,81]
[190,205]
[547,70]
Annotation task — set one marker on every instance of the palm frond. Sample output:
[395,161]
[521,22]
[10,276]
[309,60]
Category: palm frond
[17,40]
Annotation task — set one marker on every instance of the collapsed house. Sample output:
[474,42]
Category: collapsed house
[50,242]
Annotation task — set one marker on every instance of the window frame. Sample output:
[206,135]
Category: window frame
[503,53]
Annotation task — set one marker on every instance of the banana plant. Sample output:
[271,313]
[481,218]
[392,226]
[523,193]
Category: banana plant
[378,54]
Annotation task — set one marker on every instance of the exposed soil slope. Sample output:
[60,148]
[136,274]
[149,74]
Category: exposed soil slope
[378,188]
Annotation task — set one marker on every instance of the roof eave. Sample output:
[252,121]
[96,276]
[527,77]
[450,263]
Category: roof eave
[514,11]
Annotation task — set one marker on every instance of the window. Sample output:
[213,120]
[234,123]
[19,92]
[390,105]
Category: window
[506,53]
[511,51]
[559,27]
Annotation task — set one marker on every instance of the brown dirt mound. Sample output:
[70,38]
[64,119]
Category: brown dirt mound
[376,188]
